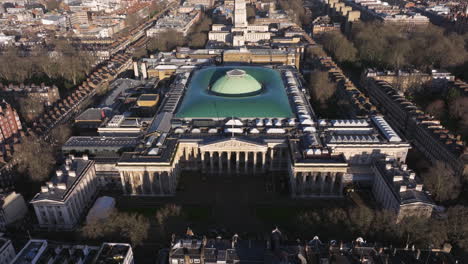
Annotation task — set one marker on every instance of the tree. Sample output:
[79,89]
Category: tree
[171,217]
[436,108]
[321,87]
[132,20]
[60,134]
[456,226]
[198,40]
[119,226]
[74,63]
[30,108]
[442,182]
[458,107]
[296,11]
[315,52]
[156,7]
[422,232]
[360,220]
[34,158]
[341,48]
[166,41]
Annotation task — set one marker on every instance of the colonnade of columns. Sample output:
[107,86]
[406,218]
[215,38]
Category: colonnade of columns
[154,183]
[305,184]
[234,162]
[225,161]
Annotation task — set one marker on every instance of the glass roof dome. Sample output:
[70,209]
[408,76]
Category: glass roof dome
[236,82]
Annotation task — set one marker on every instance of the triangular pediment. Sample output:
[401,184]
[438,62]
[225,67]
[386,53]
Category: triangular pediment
[234,144]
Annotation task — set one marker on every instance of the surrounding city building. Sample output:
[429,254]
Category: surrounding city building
[12,209]
[240,33]
[38,251]
[324,24]
[382,11]
[64,199]
[119,253]
[277,249]
[10,124]
[31,252]
[176,21]
[427,134]
[397,189]
[43,93]
[7,252]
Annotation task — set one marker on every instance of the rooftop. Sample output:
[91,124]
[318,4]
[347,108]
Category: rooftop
[270,101]
[113,253]
[236,83]
[64,180]
[31,252]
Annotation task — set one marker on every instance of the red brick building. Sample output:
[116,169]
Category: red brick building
[10,125]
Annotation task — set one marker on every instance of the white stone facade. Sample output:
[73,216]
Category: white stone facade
[68,196]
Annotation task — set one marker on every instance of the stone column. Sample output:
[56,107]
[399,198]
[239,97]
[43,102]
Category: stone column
[323,176]
[315,175]
[332,181]
[271,158]
[172,175]
[211,161]
[186,154]
[122,181]
[263,161]
[151,179]
[195,158]
[220,158]
[161,189]
[203,161]
[292,183]
[229,161]
[237,161]
[246,161]
[280,150]
[255,161]
[302,183]
[132,182]
[141,183]
[341,183]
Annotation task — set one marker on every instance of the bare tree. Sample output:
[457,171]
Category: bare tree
[436,108]
[171,217]
[119,226]
[442,182]
[321,87]
[60,134]
[166,41]
[30,108]
[458,107]
[198,40]
[456,226]
[34,158]
[341,48]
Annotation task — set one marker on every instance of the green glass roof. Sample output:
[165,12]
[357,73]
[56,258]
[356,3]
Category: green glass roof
[211,93]
[236,82]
